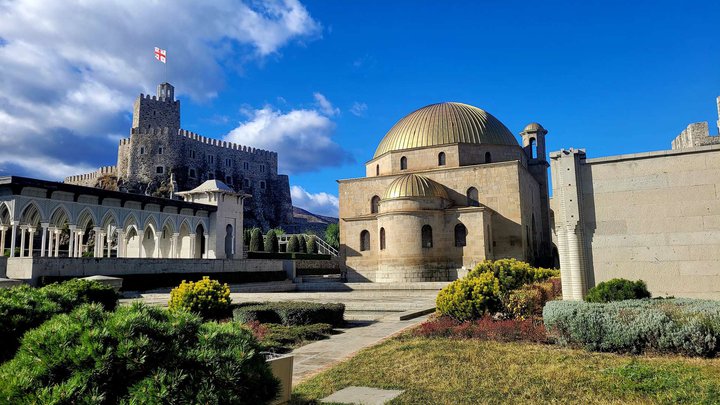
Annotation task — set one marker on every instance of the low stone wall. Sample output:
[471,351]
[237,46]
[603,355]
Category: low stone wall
[34,269]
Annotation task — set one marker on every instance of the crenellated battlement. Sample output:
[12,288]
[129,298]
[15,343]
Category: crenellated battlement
[92,176]
[224,144]
[151,97]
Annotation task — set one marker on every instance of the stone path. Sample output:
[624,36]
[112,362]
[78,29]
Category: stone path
[318,356]
[362,396]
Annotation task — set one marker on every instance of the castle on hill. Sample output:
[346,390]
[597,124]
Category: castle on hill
[159,158]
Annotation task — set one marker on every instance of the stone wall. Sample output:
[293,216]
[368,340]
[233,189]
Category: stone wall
[32,269]
[651,216]
[91,179]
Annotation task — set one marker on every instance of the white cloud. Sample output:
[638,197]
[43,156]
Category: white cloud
[320,203]
[358,109]
[325,105]
[71,69]
[302,138]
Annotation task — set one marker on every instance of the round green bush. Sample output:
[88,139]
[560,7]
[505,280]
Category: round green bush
[271,242]
[618,289]
[73,293]
[206,297]
[137,354]
[256,241]
[470,298]
[293,245]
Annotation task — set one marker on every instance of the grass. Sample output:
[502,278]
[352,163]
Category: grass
[452,371]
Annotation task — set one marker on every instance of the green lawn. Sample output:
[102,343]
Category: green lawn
[448,371]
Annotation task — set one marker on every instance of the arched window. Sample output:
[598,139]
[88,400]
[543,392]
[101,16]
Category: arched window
[488,157]
[364,241]
[374,204]
[472,197]
[427,241]
[533,148]
[441,159]
[382,238]
[403,163]
[377,170]
[460,235]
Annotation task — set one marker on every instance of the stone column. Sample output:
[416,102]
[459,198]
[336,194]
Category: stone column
[57,242]
[79,244]
[13,238]
[97,231]
[156,250]
[100,244]
[51,239]
[141,238]
[108,240]
[121,244]
[31,232]
[71,247]
[43,241]
[207,246]
[3,229]
[22,241]
[174,254]
[192,245]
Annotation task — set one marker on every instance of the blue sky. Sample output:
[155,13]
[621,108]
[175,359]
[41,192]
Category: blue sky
[321,82]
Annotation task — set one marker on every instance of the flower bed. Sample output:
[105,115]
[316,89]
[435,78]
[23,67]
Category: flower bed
[486,328]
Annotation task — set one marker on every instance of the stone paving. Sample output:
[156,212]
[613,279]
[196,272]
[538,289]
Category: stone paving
[362,396]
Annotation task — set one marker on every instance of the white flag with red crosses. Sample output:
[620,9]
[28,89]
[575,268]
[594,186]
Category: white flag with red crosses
[161,55]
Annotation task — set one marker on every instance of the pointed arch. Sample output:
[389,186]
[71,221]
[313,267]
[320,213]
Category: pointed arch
[165,238]
[60,217]
[5,214]
[130,221]
[152,222]
[31,215]
[85,219]
[184,240]
[200,245]
[108,219]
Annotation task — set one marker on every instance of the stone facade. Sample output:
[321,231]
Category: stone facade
[651,216]
[479,201]
[158,147]
[697,134]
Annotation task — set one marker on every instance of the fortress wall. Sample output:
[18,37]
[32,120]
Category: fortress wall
[651,216]
[90,179]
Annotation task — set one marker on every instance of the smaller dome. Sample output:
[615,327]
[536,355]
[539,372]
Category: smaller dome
[534,127]
[413,185]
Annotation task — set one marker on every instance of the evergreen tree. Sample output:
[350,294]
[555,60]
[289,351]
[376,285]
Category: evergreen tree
[332,235]
[271,242]
[311,244]
[256,241]
[293,245]
[302,246]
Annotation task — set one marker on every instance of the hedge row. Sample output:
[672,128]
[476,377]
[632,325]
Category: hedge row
[684,326]
[288,256]
[23,307]
[137,355]
[291,313]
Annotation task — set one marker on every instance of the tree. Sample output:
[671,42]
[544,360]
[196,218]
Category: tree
[271,242]
[256,241]
[332,235]
[279,231]
[302,245]
[311,245]
[293,245]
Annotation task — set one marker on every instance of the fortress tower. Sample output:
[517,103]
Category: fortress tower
[157,147]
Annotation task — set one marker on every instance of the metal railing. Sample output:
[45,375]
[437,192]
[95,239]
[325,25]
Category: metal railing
[323,247]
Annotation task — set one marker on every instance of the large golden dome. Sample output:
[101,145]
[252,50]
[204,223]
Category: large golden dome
[445,123]
[413,185]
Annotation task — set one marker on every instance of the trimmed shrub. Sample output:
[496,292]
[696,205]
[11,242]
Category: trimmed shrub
[311,244]
[137,354]
[302,244]
[528,301]
[207,297]
[291,313]
[618,289]
[282,338]
[486,287]
[247,235]
[256,241]
[23,307]
[485,328]
[271,242]
[684,326]
[293,246]
[73,293]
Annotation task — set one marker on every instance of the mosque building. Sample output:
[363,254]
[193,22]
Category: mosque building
[449,186]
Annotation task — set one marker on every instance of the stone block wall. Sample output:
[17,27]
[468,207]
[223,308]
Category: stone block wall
[651,216]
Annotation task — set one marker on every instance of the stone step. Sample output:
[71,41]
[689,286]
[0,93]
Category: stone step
[310,286]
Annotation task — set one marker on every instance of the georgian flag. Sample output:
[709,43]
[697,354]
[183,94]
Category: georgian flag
[161,55]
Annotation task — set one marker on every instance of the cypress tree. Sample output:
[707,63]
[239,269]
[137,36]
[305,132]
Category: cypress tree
[293,244]
[256,241]
[271,242]
[311,244]
[302,245]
